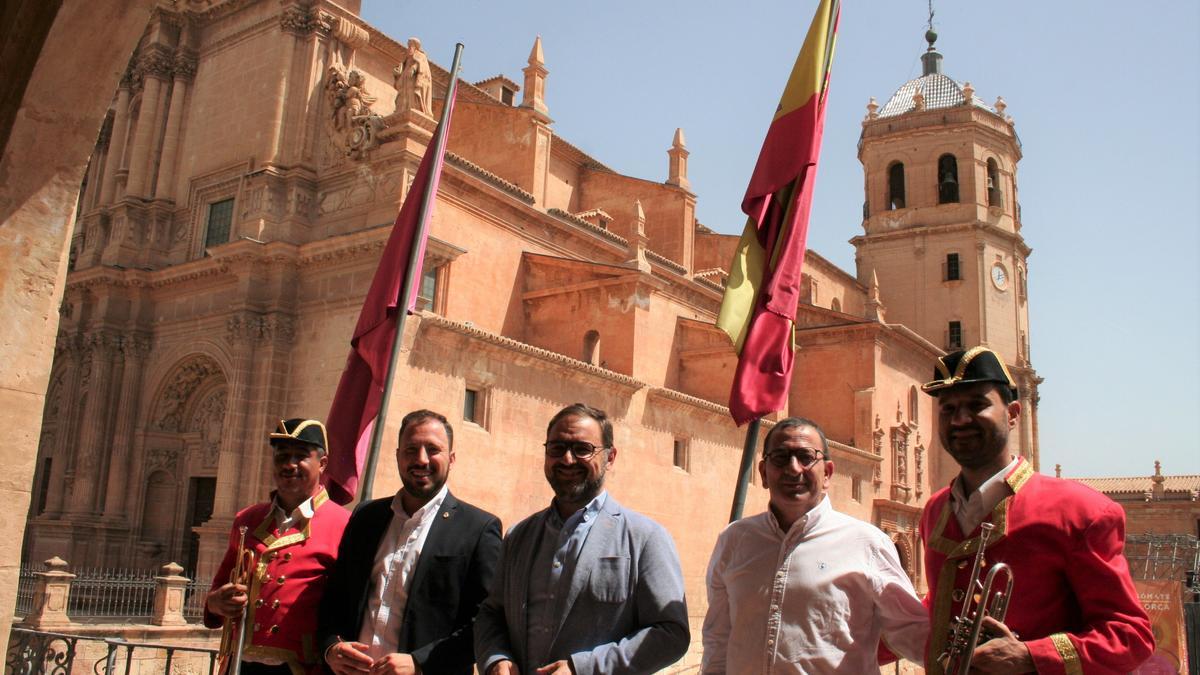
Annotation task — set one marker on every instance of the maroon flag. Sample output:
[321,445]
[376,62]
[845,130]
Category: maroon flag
[360,391]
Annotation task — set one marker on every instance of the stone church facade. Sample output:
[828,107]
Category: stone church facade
[239,197]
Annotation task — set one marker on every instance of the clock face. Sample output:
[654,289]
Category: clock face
[999,276]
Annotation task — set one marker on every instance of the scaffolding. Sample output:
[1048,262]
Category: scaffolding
[1159,557]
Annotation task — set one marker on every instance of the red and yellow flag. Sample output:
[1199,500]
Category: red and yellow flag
[759,308]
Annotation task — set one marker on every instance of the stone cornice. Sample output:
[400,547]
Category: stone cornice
[434,321]
[594,229]
[349,247]
[491,178]
[1012,238]
[851,451]
[687,400]
[663,261]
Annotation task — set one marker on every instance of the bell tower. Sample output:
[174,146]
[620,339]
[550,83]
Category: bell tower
[942,224]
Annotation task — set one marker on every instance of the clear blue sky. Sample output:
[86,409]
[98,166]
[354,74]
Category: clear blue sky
[1105,101]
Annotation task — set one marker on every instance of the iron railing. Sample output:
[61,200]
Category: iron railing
[32,652]
[109,594]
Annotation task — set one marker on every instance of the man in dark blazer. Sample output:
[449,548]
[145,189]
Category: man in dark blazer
[411,570]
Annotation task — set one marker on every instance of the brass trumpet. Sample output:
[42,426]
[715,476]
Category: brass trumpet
[966,628]
[233,631]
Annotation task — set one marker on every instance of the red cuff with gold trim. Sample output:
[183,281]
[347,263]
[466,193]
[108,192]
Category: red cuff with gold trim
[1055,655]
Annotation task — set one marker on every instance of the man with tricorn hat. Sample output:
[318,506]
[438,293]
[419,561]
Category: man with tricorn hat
[294,542]
[1073,607]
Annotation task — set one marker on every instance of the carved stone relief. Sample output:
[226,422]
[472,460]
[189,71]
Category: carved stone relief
[254,327]
[162,459]
[208,418]
[353,127]
[185,381]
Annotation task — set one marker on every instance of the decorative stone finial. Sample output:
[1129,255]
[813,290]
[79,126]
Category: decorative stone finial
[534,95]
[874,304]
[872,109]
[1058,470]
[536,58]
[1158,477]
[677,167]
[968,93]
[641,216]
[918,100]
[1000,105]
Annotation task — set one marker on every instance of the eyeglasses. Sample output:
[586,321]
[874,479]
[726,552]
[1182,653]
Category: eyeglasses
[581,449]
[782,457]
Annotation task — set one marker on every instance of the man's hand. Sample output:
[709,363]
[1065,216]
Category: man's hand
[395,664]
[227,601]
[504,667]
[1002,654]
[562,667]
[348,658]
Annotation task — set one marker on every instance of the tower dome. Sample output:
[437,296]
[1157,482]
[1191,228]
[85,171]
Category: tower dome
[936,90]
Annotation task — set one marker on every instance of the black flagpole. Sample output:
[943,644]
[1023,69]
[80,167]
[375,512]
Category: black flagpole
[739,495]
[367,480]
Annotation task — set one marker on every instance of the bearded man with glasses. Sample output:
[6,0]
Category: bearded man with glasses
[586,585]
[802,588]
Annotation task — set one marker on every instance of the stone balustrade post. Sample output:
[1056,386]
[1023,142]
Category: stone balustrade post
[169,589]
[50,594]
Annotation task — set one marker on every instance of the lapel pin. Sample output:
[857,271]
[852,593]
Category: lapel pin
[445,514]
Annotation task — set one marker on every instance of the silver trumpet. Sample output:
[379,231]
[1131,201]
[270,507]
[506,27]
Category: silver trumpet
[966,628]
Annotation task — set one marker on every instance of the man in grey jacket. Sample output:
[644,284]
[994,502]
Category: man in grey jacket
[586,585]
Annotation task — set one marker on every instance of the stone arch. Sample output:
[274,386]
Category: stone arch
[177,396]
[183,424]
[905,550]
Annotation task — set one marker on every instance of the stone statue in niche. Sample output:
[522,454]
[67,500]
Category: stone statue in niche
[414,81]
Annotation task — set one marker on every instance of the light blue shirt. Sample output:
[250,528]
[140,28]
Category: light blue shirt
[557,552]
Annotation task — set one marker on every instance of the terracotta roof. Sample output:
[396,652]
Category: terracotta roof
[1139,484]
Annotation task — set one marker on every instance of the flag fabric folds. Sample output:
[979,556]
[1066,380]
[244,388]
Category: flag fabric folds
[763,290]
[360,390]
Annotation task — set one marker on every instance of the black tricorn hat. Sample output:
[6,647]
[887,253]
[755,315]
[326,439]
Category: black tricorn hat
[310,432]
[977,364]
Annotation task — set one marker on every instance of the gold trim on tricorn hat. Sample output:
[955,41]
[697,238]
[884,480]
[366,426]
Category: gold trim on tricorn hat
[977,364]
[310,432]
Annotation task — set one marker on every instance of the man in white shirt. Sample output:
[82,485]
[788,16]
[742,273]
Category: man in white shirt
[802,588]
[412,568]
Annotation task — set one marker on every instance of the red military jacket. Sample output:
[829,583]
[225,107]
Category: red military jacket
[1073,600]
[289,577]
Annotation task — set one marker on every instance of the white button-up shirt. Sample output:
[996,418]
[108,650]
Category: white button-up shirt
[814,599]
[391,575]
[297,517]
[971,510]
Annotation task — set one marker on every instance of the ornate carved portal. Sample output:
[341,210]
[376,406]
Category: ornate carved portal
[182,445]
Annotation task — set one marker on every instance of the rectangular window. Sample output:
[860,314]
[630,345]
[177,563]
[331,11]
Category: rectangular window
[856,489]
[471,407]
[954,336]
[681,453]
[427,291]
[953,273]
[220,218]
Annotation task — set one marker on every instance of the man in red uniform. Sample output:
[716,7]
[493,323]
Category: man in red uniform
[1073,607]
[294,539]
